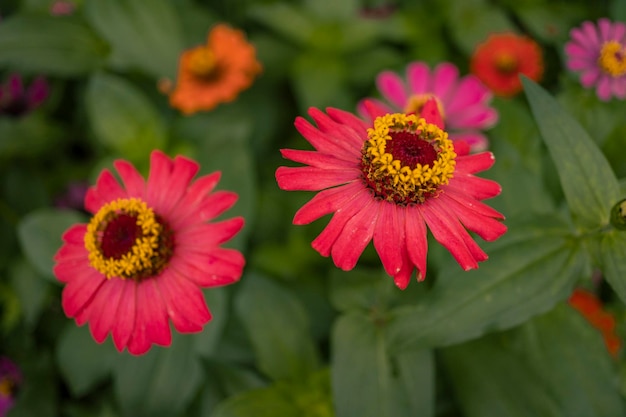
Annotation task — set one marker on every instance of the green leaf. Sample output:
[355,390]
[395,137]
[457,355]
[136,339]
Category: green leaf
[31,290]
[555,365]
[588,182]
[613,260]
[264,402]
[360,289]
[278,327]
[530,269]
[146,37]
[361,380]
[123,118]
[39,234]
[413,392]
[319,80]
[82,361]
[32,136]
[207,340]
[38,395]
[290,21]
[50,45]
[160,383]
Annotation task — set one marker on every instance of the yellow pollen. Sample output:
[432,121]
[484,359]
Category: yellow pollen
[6,387]
[506,62]
[416,103]
[385,173]
[612,58]
[202,61]
[143,258]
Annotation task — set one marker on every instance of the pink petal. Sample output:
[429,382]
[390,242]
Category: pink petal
[480,208]
[66,270]
[575,51]
[590,78]
[619,30]
[213,206]
[196,194]
[125,315]
[75,234]
[323,142]
[605,27]
[579,37]
[470,92]
[326,202]
[313,158]
[416,242]
[355,236]
[72,252]
[474,117]
[107,189]
[79,291]
[183,172]
[403,277]
[207,235]
[603,88]
[104,308]
[477,141]
[217,267]
[133,181]
[343,135]
[486,227]
[161,168]
[591,34]
[418,76]
[184,303]
[445,78]
[389,237]
[151,324]
[381,108]
[392,87]
[619,87]
[475,187]
[471,164]
[326,239]
[350,120]
[314,179]
[430,113]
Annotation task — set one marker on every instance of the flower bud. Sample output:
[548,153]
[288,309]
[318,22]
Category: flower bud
[618,215]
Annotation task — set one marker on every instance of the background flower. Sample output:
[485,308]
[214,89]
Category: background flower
[10,381]
[500,59]
[216,72]
[464,102]
[591,308]
[16,100]
[598,53]
[140,260]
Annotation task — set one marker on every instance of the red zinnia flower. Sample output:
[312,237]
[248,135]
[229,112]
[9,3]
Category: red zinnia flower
[145,253]
[216,72]
[591,308]
[502,57]
[387,182]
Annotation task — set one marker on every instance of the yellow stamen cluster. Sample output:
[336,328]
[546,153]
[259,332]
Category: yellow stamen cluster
[202,61]
[143,254]
[416,103]
[406,184]
[506,62]
[612,58]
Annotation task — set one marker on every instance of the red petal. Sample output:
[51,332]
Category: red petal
[389,237]
[207,235]
[133,181]
[184,302]
[104,308]
[79,291]
[107,189]
[416,241]
[125,315]
[355,236]
[314,179]
[326,202]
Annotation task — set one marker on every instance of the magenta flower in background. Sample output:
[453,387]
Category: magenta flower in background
[10,381]
[62,8]
[16,101]
[388,181]
[598,53]
[464,102]
[73,196]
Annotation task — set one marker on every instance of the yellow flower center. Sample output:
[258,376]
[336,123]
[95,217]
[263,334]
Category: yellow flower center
[125,239]
[416,102]
[202,61]
[6,387]
[406,160]
[506,62]
[612,59]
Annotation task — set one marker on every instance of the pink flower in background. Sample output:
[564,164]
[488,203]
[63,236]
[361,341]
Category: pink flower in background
[388,181]
[464,102]
[598,53]
[10,381]
[150,246]
[62,8]
[16,101]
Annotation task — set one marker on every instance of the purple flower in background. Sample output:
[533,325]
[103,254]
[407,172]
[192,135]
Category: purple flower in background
[62,8]
[16,101]
[73,197]
[10,380]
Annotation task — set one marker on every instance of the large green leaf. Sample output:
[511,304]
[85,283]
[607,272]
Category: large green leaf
[123,118]
[39,234]
[287,20]
[363,383]
[555,365]
[83,362]
[530,269]
[613,259]
[30,289]
[159,383]
[143,36]
[50,45]
[207,340]
[38,394]
[588,182]
[278,327]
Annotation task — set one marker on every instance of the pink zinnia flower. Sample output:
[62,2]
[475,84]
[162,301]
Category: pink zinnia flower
[463,102]
[599,54]
[387,181]
[146,252]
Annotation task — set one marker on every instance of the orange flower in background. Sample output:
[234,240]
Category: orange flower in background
[216,72]
[591,308]
[502,57]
